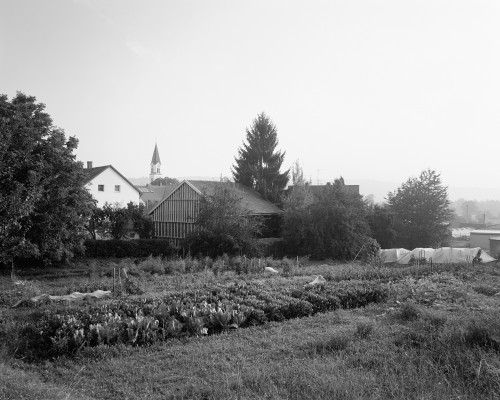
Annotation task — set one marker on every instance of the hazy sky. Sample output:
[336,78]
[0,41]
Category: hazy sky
[370,90]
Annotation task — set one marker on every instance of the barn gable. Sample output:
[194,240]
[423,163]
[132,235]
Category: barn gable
[175,216]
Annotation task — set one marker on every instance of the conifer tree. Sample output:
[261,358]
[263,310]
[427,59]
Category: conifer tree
[258,163]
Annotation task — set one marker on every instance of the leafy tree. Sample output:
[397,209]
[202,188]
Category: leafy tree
[224,226]
[328,224]
[258,163]
[422,211]
[165,181]
[141,222]
[114,221]
[297,174]
[43,200]
[382,226]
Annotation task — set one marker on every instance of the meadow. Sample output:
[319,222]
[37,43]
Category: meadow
[229,329]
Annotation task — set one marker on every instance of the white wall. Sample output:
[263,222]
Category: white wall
[479,239]
[109,178]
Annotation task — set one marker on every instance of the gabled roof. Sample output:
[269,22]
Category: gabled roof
[92,173]
[156,156]
[250,198]
[156,193]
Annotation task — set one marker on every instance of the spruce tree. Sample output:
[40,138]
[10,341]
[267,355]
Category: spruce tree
[258,163]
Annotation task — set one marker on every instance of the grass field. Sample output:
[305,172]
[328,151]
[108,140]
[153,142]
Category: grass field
[435,335]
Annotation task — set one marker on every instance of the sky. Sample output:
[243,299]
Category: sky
[373,91]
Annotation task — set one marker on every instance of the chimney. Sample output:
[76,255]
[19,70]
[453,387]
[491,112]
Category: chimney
[89,164]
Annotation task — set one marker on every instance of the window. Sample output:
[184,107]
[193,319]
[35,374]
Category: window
[100,188]
[117,188]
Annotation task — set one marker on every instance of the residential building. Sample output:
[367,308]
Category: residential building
[107,185]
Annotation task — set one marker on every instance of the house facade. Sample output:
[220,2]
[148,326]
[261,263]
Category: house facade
[175,216]
[107,185]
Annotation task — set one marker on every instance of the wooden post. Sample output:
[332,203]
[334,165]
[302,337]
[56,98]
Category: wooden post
[114,275]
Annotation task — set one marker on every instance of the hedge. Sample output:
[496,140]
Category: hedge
[128,248]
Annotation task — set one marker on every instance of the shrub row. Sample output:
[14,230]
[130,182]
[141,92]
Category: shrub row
[238,264]
[145,247]
[128,248]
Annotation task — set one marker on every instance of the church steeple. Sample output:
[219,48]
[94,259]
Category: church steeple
[155,165]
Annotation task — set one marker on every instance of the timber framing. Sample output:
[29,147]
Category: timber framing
[175,216]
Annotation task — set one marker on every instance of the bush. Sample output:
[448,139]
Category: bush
[287,266]
[175,266]
[128,248]
[153,265]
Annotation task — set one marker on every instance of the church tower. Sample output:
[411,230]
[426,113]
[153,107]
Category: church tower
[155,166]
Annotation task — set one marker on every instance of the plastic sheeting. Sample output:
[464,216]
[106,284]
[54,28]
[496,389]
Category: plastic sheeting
[392,255]
[443,255]
[446,255]
[417,254]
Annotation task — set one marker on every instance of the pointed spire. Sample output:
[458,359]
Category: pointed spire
[156,156]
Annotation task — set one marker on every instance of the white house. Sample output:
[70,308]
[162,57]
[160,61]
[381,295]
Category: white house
[107,185]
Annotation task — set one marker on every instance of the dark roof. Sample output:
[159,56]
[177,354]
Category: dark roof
[156,156]
[91,173]
[155,193]
[96,171]
[250,198]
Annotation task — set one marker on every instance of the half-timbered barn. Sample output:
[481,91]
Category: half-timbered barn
[176,215]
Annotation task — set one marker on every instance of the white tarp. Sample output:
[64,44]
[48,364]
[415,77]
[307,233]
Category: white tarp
[443,255]
[446,255]
[417,254]
[98,294]
[392,255]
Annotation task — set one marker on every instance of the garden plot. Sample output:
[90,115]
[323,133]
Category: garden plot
[363,319]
